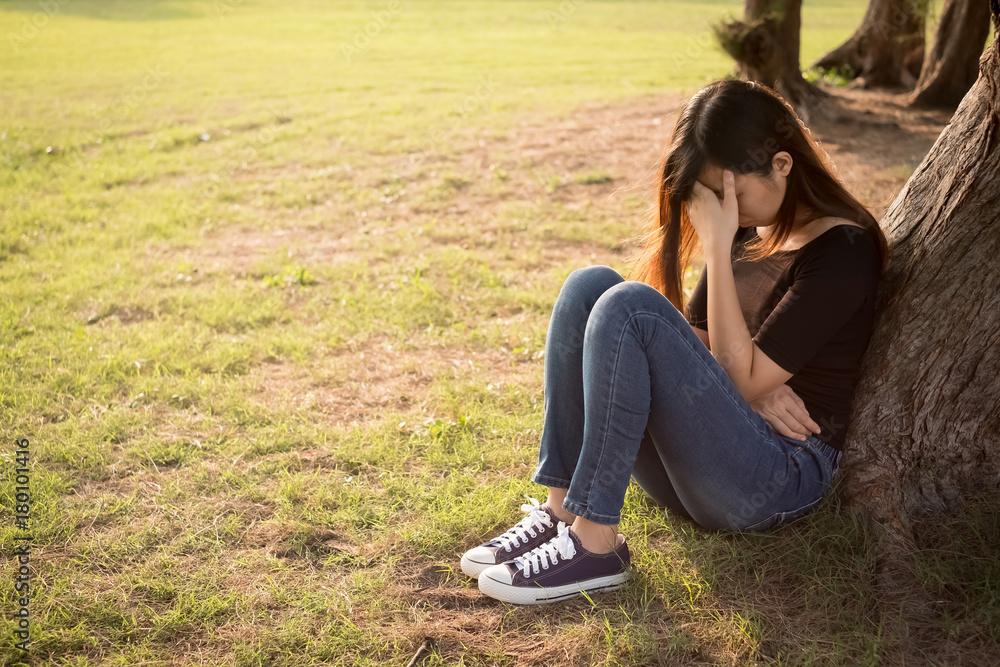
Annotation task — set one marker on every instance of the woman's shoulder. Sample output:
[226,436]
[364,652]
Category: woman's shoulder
[839,228]
[845,248]
[838,233]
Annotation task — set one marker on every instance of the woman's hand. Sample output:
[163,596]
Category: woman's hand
[715,221]
[785,412]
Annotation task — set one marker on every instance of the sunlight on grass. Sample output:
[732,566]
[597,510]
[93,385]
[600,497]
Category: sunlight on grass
[277,279]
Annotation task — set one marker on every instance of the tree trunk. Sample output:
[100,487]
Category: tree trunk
[765,46]
[887,49]
[925,429]
[953,62]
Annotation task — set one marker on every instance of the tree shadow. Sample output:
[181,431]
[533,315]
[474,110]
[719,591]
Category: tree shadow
[877,139]
[811,594]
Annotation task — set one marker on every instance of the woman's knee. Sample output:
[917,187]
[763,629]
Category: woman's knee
[630,297]
[581,290]
[593,280]
[620,305]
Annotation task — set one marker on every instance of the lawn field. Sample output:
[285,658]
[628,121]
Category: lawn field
[276,279]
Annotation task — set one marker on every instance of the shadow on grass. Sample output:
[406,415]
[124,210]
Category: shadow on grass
[807,594]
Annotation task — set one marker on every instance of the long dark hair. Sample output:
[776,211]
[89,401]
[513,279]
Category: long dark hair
[738,125]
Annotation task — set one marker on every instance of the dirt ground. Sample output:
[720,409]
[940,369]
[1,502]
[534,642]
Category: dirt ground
[600,160]
[873,140]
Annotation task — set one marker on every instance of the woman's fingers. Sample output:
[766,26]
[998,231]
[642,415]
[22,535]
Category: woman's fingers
[791,395]
[729,203]
[801,415]
[787,414]
[782,427]
[796,407]
[795,428]
[703,192]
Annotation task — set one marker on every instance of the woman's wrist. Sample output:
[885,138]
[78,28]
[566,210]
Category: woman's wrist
[716,252]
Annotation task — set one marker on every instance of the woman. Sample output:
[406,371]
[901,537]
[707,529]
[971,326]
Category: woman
[731,410]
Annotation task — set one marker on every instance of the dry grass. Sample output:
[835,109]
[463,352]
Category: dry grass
[267,427]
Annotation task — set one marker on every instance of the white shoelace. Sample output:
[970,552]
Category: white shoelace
[536,519]
[548,553]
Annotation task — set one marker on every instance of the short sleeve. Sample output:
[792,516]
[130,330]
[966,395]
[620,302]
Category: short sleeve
[696,311]
[833,281]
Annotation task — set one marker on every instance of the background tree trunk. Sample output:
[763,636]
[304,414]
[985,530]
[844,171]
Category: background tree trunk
[953,62]
[926,422]
[765,46]
[887,49]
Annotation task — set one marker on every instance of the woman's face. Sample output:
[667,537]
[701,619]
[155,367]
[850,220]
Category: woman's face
[758,197]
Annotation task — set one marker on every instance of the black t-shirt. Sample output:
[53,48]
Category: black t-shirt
[811,311]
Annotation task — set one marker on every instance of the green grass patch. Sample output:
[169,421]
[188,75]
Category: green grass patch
[277,278]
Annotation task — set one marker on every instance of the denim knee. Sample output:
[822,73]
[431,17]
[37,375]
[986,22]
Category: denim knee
[594,280]
[628,298]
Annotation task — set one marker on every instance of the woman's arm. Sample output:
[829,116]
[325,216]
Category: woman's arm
[752,371]
[716,222]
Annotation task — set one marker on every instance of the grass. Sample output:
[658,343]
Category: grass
[272,321]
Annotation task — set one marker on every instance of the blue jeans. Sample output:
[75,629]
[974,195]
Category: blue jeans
[631,391]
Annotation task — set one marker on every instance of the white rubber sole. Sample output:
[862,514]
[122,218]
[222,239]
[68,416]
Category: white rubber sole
[538,595]
[474,568]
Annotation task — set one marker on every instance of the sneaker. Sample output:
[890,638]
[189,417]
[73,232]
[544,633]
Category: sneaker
[557,570]
[535,529]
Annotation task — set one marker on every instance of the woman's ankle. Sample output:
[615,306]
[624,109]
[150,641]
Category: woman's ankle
[554,504]
[595,537]
[561,514]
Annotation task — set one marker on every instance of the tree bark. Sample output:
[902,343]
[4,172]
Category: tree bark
[953,62]
[925,429]
[887,49]
[765,46]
